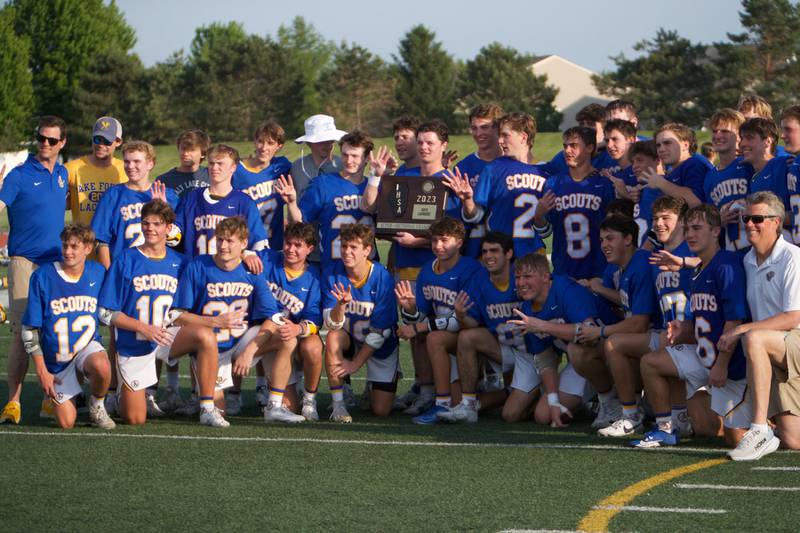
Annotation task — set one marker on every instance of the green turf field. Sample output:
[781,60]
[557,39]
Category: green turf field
[374,475]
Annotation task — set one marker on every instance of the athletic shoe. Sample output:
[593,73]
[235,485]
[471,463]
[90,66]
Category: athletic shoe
[11,414]
[431,416]
[153,411]
[419,405]
[350,399]
[112,403]
[622,427]
[309,410]
[656,438]
[405,401]
[99,417]
[190,407]
[682,425]
[262,396]
[170,401]
[213,417]
[754,445]
[460,413]
[340,413]
[607,413]
[233,404]
[48,409]
[275,412]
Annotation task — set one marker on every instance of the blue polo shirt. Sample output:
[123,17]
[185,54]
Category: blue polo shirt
[35,200]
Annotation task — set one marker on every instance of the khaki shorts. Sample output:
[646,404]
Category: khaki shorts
[19,278]
[785,391]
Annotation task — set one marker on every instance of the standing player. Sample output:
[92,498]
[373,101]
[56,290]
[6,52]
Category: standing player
[295,284]
[218,292]
[258,178]
[360,312]
[192,149]
[202,209]
[622,110]
[644,158]
[692,355]
[790,129]
[136,299]
[620,136]
[35,194]
[92,175]
[333,200]
[572,207]
[726,186]
[404,134]
[509,188]
[430,308]
[60,329]
[592,116]
[320,134]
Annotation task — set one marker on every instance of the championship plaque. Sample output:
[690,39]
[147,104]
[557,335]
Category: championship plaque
[409,204]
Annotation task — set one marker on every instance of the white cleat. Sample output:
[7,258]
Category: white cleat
[279,413]
[262,396]
[309,410]
[607,414]
[340,413]
[233,404]
[420,405]
[153,410]
[99,418]
[460,413]
[623,427]
[213,417]
[170,401]
[754,445]
[189,408]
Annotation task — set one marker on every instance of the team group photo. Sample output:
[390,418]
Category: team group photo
[427,284]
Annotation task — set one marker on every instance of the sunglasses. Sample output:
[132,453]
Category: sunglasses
[99,139]
[49,140]
[756,219]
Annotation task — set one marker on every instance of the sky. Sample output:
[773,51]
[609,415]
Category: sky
[587,32]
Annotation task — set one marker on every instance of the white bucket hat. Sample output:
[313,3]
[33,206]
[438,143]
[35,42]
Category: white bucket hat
[320,128]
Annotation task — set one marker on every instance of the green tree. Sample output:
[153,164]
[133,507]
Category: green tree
[358,90]
[502,75]
[16,91]
[163,102]
[426,77]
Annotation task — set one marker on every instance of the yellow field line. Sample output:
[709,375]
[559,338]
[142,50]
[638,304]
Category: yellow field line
[599,518]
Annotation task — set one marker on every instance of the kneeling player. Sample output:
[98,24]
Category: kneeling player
[59,329]
[555,309]
[718,304]
[136,299]
[219,293]
[360,310]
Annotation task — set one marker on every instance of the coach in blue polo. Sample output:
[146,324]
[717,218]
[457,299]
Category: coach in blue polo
[35,194]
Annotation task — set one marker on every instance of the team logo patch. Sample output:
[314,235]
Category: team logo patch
[105,124]
[60,181]
[219,380]
[770,275]
[60,396]
[135,383]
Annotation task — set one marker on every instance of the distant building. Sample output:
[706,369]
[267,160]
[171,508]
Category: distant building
[574,84]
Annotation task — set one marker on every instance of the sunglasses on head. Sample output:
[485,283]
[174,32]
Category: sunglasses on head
[49,140]
[99,139]
[756,219]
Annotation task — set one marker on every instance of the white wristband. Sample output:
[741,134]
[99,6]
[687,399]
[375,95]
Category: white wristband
[552,399]
[374,181]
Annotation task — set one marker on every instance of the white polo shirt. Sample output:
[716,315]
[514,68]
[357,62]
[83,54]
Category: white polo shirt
[773,287]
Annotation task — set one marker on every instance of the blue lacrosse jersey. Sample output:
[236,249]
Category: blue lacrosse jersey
[373,307]
[674,289]
[333,201]
[690,174]
[118,219]
[637,288]
[579,210]
[719,294]
[509,192]
[568,302]
[436,293]
[472,166]
[298,297]
[198,215]
[773,178]
[142,288]
[726,185]
[494,306]
[260,186]
[794,199]
[64,311]
[625,174]
[609,312]
[207,290]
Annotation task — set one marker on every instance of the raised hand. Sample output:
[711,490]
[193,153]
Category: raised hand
[462,305]
[459,184]
[158,190]
[405,296]
[380,161]
[546,204]
[342,294]
[286,189]
[448,158]
[666,261]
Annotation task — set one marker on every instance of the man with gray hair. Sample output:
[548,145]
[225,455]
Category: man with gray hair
[772,340]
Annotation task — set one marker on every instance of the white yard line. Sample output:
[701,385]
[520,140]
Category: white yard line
[644,509]
[734,487]
[777,468]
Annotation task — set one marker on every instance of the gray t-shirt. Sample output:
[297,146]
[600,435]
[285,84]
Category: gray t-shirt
[183,182]
[305,169]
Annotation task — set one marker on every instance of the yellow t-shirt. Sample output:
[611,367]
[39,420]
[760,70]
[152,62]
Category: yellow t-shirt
[87,184]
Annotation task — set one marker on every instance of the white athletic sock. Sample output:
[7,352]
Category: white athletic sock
[760,427]
[95,401]
[309,396]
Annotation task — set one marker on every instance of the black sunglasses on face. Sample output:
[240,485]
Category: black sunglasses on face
[99,139]
[756,219]
[49,140]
